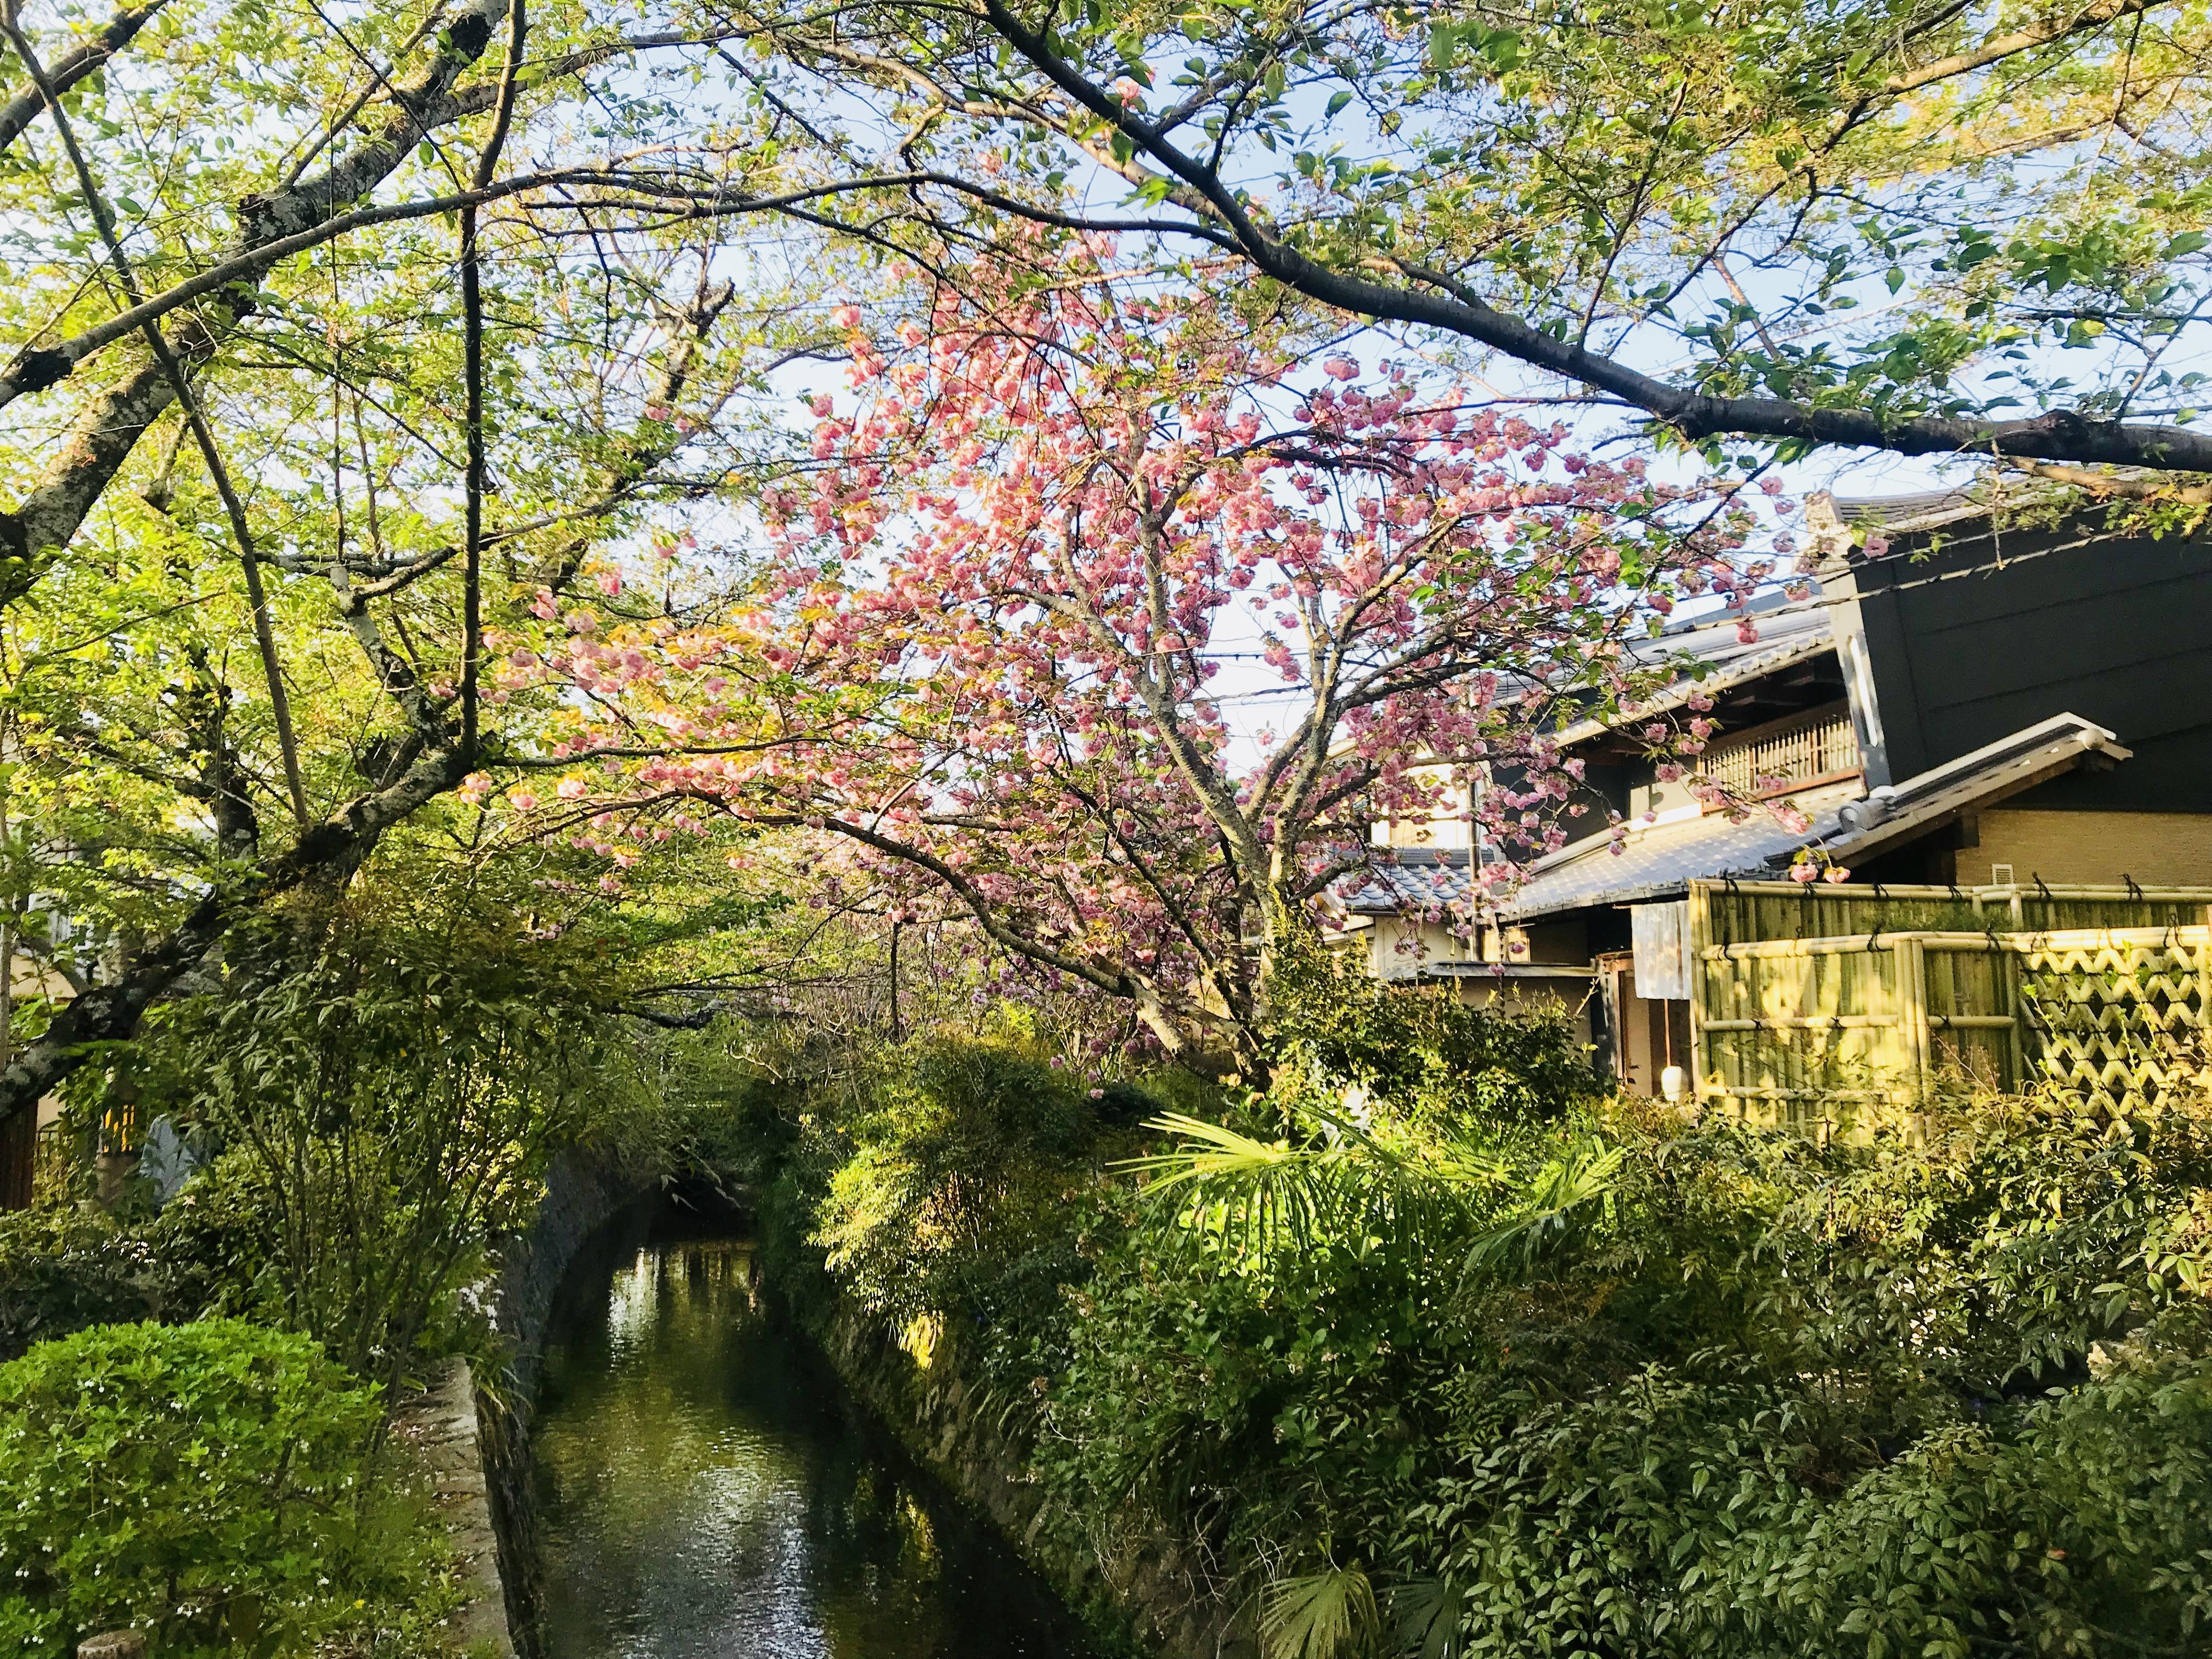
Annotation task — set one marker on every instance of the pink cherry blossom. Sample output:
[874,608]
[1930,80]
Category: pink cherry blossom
[1046,547]
[1041,745]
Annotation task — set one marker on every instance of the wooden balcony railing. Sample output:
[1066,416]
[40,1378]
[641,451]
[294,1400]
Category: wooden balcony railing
[1817,748]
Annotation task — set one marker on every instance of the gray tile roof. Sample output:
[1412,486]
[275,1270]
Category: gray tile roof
[1925,509]
[1930,509]
[1661,860]
[1713,639]
[1792,636]
[1402,880]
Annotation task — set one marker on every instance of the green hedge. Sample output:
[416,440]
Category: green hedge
[62,1268]
[201,1482]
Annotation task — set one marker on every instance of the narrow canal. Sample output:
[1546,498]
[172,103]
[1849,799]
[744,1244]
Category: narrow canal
[704,1487]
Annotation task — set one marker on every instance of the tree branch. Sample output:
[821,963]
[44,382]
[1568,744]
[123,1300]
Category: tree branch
[472,380]
[1163,1022]
[2058,434]
[104,436]
[2001,47]
[19,112]
[112,1012]
[2124,486]
[265,637]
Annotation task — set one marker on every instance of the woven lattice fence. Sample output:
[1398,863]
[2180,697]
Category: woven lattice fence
[1823,1031]
[2114,1024]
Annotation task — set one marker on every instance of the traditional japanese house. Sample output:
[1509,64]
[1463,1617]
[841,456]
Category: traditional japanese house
[1995,724]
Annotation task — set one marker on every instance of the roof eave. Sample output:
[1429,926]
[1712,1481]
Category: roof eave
[1679,693]
[1995,773]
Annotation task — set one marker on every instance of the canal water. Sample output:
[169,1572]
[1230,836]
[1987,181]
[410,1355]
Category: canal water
[704,1487]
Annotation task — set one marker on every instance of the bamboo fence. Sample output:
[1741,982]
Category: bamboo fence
[1819,1007]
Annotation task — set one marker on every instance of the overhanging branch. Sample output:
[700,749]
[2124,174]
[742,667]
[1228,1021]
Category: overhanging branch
[1430,301]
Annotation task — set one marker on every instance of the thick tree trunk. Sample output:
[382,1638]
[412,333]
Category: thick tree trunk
[19,1151]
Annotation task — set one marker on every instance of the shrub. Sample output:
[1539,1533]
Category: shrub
[1429,1334]
[389,1078]
[62,1268]
[1680,1516]
[213,1249]
[960,1161]
[200,1481]
[66,1267]
[1433,1057]
[1745,1395]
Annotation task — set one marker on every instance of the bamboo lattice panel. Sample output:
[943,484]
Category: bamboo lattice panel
[2115,1026]
[1800,1031]
[1747,913]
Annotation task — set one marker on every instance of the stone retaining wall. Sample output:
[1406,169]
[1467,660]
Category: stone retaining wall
[583,1193]
[1123,1578]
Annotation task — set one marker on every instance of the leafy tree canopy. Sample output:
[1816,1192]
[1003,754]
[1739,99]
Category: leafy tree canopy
[1910,225]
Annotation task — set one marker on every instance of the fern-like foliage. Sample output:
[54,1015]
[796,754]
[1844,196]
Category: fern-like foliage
[1337,1182]
[1319,1615]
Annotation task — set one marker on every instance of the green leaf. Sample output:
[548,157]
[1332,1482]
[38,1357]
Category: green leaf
[1322,1615]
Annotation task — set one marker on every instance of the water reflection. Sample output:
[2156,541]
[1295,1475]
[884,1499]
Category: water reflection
[703,1490]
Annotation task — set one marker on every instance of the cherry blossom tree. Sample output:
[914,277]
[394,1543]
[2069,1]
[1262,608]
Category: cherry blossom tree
[1061,530]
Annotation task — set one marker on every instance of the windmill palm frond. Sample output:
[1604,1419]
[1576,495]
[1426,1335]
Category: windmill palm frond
[1319,1615]
[1426,1611]
[1582,1174]
[1341,1183]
